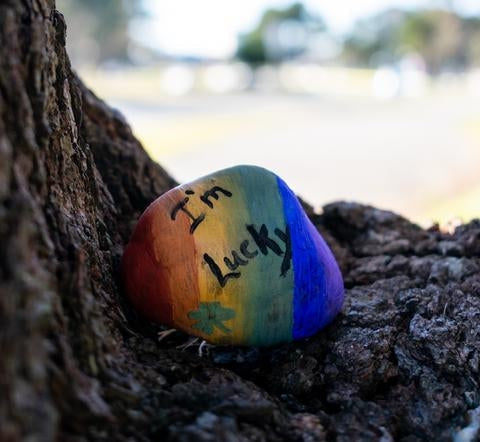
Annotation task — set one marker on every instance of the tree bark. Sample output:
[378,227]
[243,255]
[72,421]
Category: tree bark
[77,363]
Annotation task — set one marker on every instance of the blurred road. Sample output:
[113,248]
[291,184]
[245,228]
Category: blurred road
[419,157]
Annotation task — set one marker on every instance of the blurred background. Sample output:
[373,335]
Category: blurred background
[376,101]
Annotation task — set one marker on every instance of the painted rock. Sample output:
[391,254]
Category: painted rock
[233,258]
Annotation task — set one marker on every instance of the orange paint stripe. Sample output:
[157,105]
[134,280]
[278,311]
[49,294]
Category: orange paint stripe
[175,255]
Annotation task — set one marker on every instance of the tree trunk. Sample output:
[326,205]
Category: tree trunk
[401,362]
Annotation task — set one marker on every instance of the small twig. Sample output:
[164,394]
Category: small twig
[188,344]
[201,347]
[163,334]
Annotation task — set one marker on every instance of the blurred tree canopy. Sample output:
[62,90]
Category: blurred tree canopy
[280,34]
[98,29]
[444,40]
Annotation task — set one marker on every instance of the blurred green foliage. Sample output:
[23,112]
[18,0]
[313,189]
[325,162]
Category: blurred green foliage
[253,47]
[98,29]
[443,39]
[98,32]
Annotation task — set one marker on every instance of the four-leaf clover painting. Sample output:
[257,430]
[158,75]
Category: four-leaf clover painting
[210,315]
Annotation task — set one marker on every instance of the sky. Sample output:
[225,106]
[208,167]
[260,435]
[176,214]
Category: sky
[210,28]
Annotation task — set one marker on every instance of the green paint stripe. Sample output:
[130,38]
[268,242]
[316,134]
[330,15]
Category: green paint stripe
[268,296]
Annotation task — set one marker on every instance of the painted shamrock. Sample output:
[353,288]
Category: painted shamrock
[210,315]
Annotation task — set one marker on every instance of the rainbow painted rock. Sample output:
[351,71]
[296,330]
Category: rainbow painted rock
[233,258]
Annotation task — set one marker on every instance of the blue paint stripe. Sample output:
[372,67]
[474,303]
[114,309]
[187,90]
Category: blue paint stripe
[309,296]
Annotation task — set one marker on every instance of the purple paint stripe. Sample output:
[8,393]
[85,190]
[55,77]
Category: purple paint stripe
[318,285]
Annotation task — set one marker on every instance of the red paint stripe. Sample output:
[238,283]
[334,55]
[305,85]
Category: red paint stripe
[159,264]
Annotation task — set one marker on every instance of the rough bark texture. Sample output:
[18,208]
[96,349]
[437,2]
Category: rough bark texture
[400,363]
